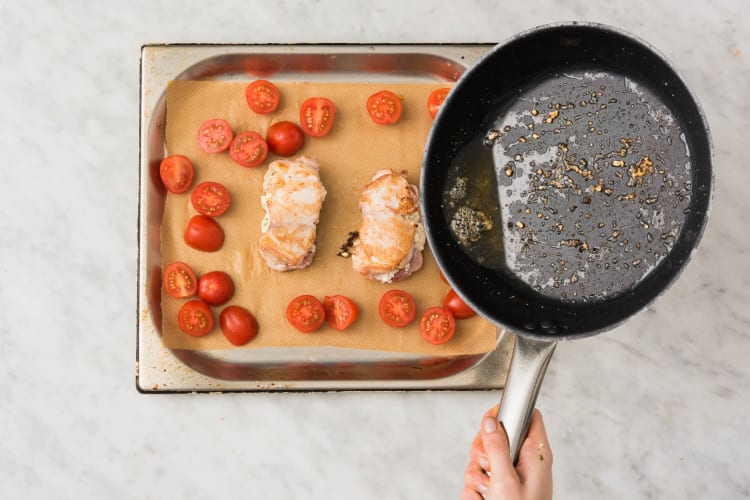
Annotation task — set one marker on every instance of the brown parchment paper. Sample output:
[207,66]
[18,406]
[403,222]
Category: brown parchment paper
[348,157]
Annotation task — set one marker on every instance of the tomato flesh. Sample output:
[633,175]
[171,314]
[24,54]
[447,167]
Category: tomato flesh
[397,308]
[210,198]
[435,100]
[437,325]
[215,135]
[248,149]
[316,116]
[305,313]
[457,306]
[203,233]
[195,318]
[238,325]
[384,107]
[262,96]
[285,138]
[341,311]
[215,288]
[180,280]
[176,173]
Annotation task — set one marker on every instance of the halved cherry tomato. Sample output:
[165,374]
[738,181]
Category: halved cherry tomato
[204,233]
[316,116]
[176,173]
[262,96]
[285,138]
[238,325]
[384,107]
[210,198]
[437,325]
[215,135]
[341,311]
[215,288]
[436,100]
[179,280]
[457,306]
[305,313]
[248,149]
[397,308]
[195,318]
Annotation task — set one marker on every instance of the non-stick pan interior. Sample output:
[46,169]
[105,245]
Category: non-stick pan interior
[566,181]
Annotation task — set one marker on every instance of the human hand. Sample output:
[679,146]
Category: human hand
[490,473]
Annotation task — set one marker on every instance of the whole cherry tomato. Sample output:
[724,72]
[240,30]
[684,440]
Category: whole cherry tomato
[204,233]
[457,306]
[285,138]
[238,325]
[215,288]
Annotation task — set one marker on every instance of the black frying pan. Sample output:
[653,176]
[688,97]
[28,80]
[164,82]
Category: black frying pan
[565,184]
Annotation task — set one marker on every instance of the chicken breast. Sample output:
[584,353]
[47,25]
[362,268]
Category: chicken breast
[391,234]
[292,198]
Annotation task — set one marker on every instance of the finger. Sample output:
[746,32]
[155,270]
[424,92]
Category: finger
[476,479]
[469,494]
[477,455]
[496,447]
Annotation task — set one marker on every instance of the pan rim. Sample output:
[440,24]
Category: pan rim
[697,232]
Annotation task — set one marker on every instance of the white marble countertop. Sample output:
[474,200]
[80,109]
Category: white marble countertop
[657,408]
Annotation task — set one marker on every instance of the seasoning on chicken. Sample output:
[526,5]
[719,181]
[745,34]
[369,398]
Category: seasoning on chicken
[292,198]
[391,234]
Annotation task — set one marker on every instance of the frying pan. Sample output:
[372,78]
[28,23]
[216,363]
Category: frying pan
[566,182]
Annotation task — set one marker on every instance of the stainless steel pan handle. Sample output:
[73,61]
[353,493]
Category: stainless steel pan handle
[527,368]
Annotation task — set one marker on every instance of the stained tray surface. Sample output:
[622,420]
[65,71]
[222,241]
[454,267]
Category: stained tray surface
[160,369]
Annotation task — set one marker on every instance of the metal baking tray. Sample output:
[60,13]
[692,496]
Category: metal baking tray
[159,369]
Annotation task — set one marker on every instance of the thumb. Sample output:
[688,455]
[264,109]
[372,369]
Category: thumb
[496,446]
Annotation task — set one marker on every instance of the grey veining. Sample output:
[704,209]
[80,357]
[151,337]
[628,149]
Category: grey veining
[657,408]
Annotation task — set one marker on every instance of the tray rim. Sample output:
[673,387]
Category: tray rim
[487,373]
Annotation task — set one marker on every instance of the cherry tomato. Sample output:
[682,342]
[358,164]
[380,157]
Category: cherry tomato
[238,325]
[457,306]
[179,280]
[262,96]
[204,233]
[437,325]
[316,116]
[285,138]
[397,308]
[305,313]
[341,311]
[215,288]
[176,173]
[248,149]
[384,107]
[210,198]
[215,135]
[436,100]
[195,318]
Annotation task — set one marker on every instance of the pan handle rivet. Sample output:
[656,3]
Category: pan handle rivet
[530,326]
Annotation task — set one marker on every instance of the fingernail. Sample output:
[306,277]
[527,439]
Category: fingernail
[489,424]
[482,487]
[483,463]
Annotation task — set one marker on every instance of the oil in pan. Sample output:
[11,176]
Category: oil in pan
[578,189]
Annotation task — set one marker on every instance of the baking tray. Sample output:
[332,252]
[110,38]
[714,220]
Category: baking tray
[159,369]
